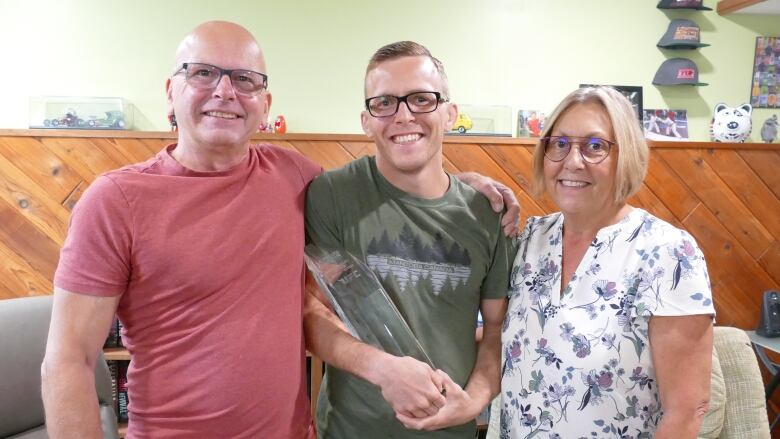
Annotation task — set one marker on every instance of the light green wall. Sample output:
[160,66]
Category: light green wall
[521,53]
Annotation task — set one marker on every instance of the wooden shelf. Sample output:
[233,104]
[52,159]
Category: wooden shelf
[760,7]
[116,354]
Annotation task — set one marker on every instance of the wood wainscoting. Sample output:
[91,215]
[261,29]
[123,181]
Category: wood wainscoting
[726,195]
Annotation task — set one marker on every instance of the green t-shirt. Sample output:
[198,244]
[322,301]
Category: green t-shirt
[437,258]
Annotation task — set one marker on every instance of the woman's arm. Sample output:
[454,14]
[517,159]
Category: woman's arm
[682,357]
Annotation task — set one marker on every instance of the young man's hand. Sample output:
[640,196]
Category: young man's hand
[459,409]
[411,387]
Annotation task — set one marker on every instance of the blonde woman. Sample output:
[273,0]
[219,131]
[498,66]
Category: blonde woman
[609,326]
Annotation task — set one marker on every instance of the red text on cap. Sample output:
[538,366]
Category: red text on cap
[685,74]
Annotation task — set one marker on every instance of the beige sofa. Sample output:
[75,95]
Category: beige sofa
[24,324]
[737,404]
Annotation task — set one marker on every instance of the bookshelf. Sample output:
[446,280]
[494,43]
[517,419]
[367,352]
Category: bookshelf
[117,354]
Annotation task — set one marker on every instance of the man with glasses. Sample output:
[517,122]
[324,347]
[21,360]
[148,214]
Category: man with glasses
[439,251]
[199,251]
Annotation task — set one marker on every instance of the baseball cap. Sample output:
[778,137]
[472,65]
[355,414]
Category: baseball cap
[682,4]
[677,71]
[681,34]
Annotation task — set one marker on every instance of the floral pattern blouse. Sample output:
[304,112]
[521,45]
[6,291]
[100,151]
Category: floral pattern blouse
[578,364]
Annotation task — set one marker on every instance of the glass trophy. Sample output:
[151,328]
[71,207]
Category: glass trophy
[362,303]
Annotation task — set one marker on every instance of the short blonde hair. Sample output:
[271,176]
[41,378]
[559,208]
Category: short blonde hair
[401,49]
[631,145]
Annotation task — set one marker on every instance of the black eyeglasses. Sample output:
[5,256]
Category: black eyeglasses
[418,102]
[206,76]
[592,149]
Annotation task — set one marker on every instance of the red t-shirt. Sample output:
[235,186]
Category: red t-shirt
[210,269]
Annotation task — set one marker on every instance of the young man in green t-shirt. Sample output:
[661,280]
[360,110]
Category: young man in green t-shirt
[439,251]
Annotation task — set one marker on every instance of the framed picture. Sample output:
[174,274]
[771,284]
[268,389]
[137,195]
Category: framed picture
[633,93]
[664,124]
[530,123]
[766,73]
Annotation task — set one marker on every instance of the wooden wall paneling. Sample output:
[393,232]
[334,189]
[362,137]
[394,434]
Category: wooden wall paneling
[81,155]
[32,201]
[135,150]
[647,199]
[728,261]
[74,196]
[746,185]
[112,151]
[20,236]
[766,165]
[109,147]
[43,167]
[359,149]
[330,155]
[733,304]
[720,199]
[770,261]
[18,278]
[669,188]
[518,162]
[284,144]
[708,198]
[155,145]
[449,166]
[471,157]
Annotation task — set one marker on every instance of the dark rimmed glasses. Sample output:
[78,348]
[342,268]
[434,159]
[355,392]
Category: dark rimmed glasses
[418,102]
[592,149]
[206,76]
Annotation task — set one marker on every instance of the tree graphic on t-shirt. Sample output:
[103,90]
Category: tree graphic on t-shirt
[447,288]
[459,255]
[438,248]
[416,264]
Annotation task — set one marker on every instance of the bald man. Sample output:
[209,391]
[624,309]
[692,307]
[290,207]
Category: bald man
[199,251]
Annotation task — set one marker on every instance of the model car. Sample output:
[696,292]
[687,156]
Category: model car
[462,123]
[113,119]
[70,120]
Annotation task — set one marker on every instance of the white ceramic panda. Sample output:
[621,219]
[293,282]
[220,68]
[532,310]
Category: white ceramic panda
[731,124]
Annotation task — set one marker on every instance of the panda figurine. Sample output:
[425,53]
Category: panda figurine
[731,124]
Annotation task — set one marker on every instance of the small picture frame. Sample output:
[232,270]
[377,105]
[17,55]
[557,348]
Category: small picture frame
[632,92]
[666,124]
[530,123]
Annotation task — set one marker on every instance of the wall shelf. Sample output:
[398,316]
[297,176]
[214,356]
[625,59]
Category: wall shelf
[759,7]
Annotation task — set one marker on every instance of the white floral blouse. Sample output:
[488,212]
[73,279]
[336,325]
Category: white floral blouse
[578,364]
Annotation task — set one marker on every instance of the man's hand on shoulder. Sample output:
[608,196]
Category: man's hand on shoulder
[500,197]
[410,386]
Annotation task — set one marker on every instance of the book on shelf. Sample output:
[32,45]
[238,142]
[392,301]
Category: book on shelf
[122,398]
[114,337]
[113,368]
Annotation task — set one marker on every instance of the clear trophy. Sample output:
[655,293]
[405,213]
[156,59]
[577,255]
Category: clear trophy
[362,303]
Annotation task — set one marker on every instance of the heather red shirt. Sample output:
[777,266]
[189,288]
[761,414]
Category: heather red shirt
[210,269]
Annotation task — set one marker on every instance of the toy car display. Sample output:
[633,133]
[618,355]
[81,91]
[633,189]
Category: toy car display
[113,120]
[463,123]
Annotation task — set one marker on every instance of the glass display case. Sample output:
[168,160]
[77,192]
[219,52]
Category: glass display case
[483,120]
[89,113]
